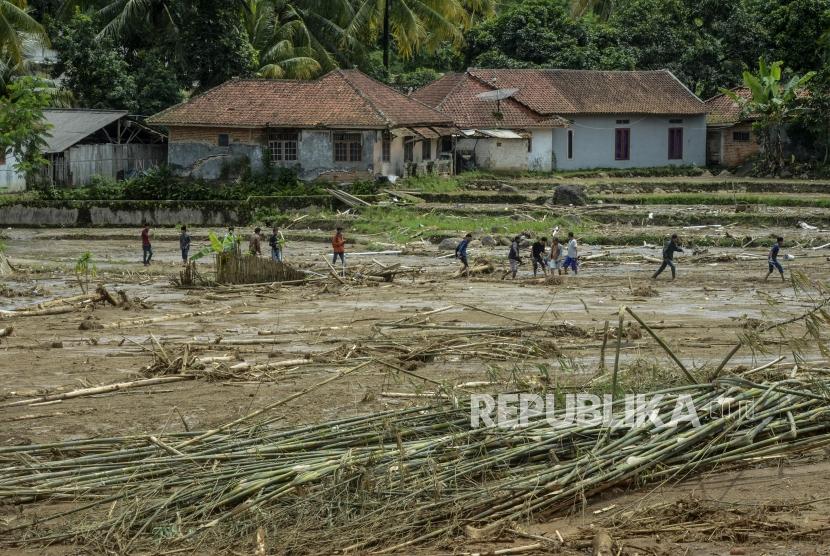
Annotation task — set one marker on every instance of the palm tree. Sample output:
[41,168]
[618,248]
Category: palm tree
[283,42]
[413,24]
[15,26]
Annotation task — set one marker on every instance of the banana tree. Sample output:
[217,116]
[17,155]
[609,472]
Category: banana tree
[772,102]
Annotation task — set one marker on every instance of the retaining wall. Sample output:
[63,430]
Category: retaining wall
[52,214]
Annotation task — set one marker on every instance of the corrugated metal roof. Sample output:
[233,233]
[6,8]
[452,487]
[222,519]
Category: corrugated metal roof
[71,126]
[501,133]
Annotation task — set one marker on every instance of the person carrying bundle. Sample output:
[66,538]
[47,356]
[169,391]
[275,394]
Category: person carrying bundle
[277,243]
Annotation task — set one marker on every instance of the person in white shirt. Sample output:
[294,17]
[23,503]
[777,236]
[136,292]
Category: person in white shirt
[572,257]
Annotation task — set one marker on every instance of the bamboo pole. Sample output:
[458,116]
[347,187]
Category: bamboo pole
[100,390]
[602,349]
[161,318]
[617,355]
[663,345]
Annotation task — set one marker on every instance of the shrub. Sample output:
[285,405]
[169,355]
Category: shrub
[101,187]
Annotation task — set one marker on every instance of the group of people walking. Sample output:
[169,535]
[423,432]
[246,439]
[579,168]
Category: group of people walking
[557,258]
[549,258]
[230,241]
[553,257]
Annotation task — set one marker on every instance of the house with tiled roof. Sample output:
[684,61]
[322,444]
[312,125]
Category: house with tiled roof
[570,119]
[343,125]
[730,139]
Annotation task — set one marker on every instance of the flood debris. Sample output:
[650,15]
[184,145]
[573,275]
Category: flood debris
[454,475]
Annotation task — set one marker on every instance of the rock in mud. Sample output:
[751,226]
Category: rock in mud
[569,195]
[488,241]
[449,244]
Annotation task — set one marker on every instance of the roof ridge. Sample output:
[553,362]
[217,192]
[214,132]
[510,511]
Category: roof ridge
[363,95]
[513,97]
[735,88]
[473,68]
[391,88]
[688,90]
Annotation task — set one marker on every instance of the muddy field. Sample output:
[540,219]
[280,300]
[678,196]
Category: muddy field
[295,337]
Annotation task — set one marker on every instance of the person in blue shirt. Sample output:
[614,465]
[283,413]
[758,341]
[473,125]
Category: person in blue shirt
[772,258]
[461,254]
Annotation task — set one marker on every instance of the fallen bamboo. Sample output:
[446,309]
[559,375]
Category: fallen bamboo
[269,407]
[333,271]
[154,320]
[100,390]
[663,345]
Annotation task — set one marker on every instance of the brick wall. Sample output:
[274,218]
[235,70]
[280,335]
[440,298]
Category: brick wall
[736,153]
[210,135]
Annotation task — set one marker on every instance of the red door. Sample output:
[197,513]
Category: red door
[622,144]
[675,143]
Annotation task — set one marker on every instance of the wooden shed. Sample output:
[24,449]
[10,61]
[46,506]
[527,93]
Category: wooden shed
[108,143]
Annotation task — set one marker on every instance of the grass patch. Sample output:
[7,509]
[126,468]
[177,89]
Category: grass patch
[660,171]
[429,184]
[401,224]
[14,198]
[714,199]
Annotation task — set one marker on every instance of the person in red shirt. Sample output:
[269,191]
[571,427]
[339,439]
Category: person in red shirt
[338,245]
[145,244]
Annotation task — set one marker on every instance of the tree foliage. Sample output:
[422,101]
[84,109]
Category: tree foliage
[93,68]
[23,130]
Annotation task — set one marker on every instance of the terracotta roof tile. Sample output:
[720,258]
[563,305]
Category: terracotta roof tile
[460,101]
[568,92]
[725,111]
[339,99]
[554,92]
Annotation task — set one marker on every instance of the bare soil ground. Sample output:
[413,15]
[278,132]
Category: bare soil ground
[775,507]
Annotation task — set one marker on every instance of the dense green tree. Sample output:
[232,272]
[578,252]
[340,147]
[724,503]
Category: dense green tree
[214,43]
[814,118]
[792,30]
[93,68]
[543,33]
[22,127]
[157,83]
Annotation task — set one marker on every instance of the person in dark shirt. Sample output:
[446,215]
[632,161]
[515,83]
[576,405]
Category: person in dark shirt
[537,254]
[461,254]
[184,243]
[513,257]
[672,246]
[772,258]
[146,248]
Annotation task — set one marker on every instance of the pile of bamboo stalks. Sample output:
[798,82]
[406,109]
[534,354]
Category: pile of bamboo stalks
[232,267]
[388,480]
